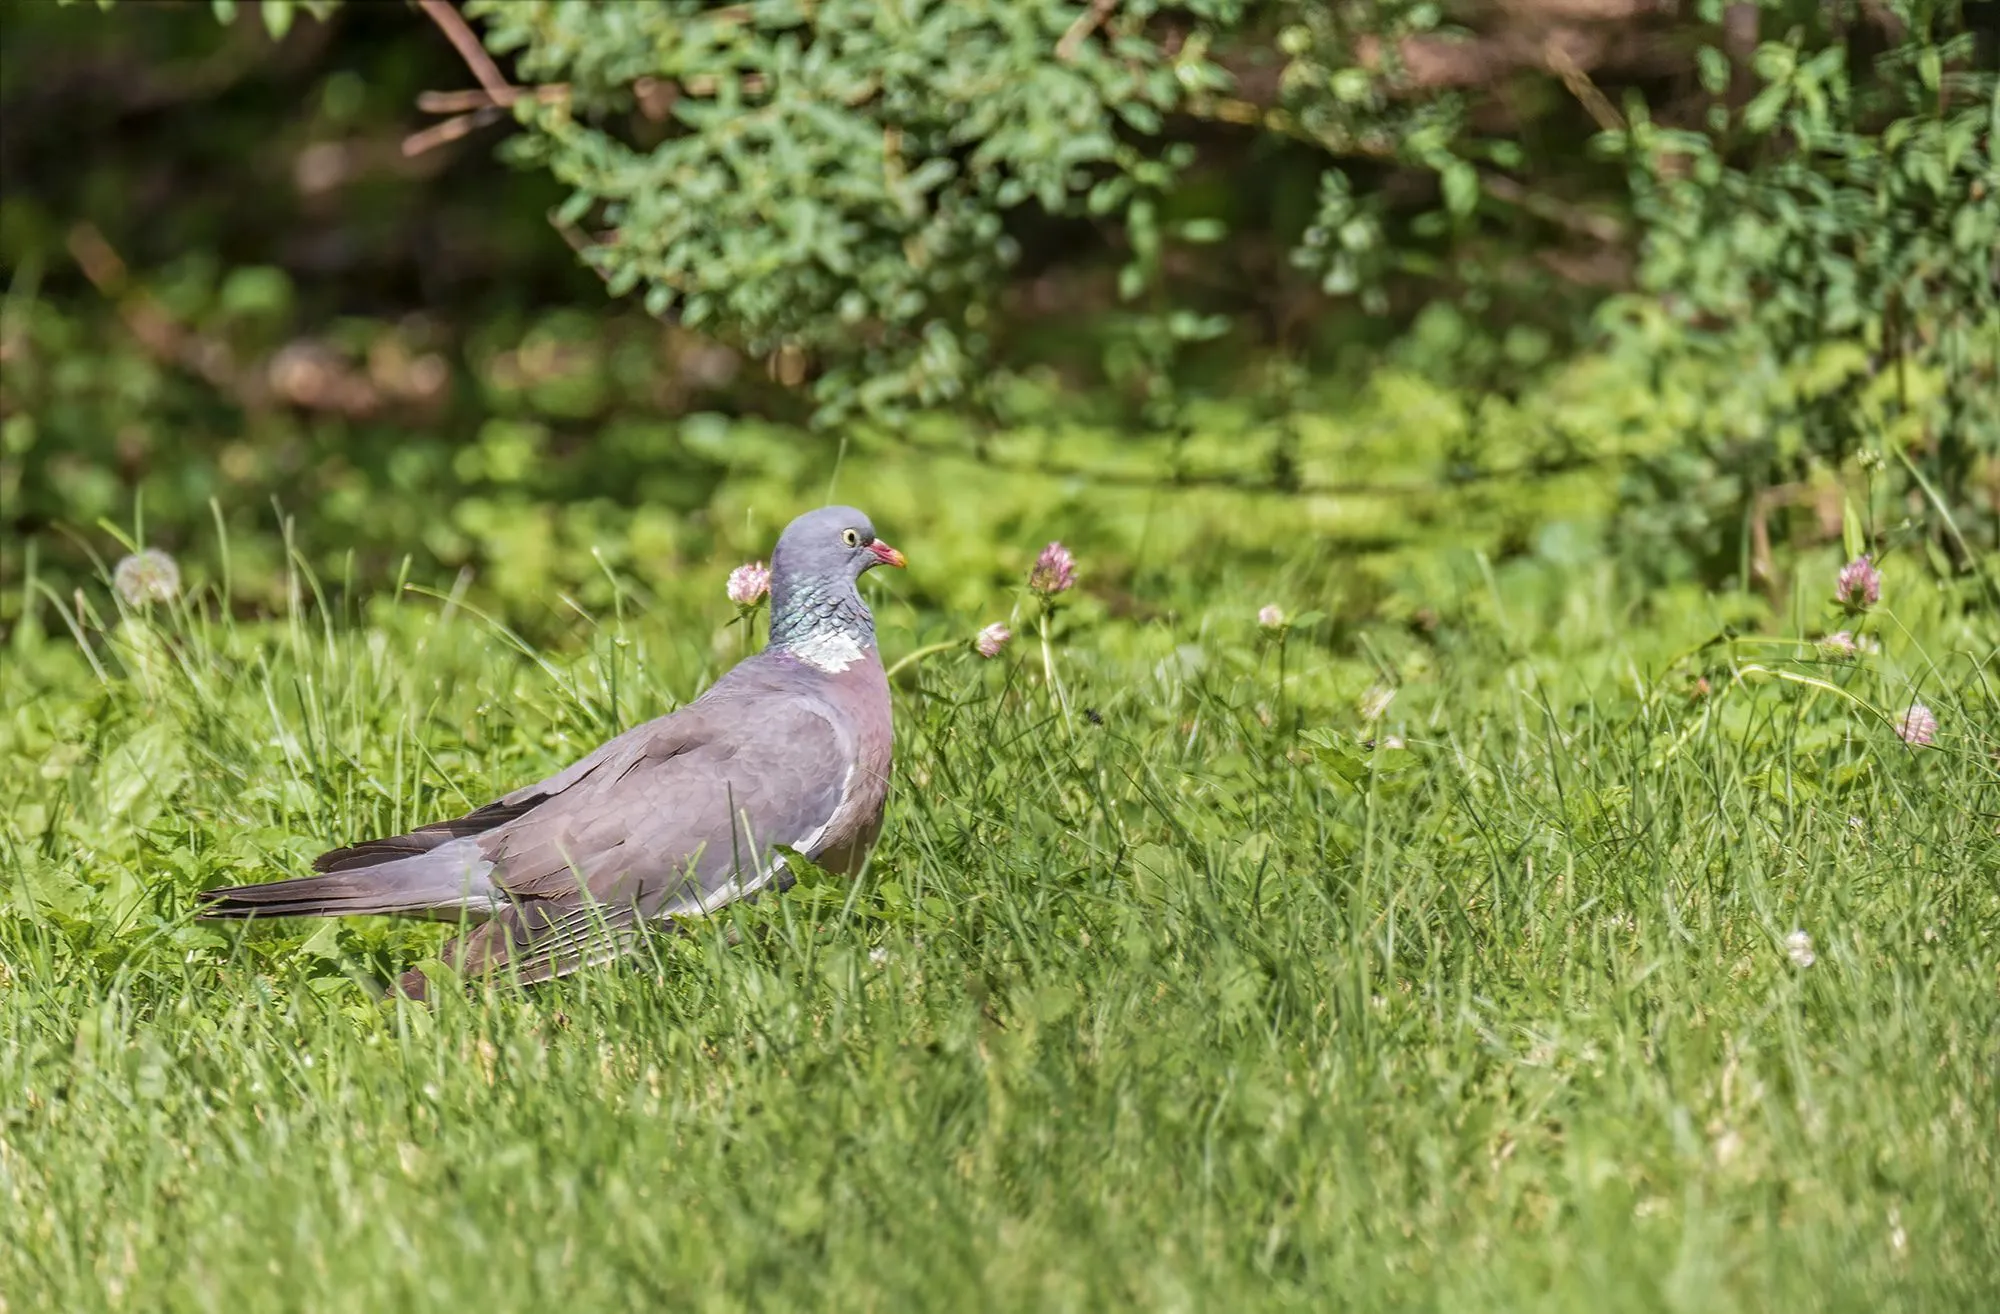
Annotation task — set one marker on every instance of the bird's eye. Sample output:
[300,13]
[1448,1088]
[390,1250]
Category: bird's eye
[850,537]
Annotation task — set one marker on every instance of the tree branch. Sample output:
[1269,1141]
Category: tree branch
[1574,76]
[656,96]
[449,130]
[1563,215]
[475,98]
[1086,22]
[466,42]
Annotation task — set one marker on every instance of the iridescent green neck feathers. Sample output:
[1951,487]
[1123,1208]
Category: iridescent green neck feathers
[822,622]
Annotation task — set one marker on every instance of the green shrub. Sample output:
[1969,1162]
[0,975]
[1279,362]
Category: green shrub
[953,206]
[844,182]
[1835,241]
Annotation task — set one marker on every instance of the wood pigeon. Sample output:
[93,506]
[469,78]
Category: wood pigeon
[671,819]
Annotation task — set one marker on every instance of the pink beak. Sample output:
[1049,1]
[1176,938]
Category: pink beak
[887,555]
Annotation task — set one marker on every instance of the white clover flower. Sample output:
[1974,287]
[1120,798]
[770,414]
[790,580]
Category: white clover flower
[1918,726]
[992,639]
[748,583]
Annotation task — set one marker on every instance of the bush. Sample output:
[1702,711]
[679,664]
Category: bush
[955,205]
[1821,209]
[1835,239]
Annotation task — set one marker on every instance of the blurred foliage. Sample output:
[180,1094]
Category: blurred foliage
[1834,241]
[843,188]
[1246,271]
[854,191]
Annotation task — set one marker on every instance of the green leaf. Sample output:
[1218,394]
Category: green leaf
[1461,188]
[1774,62]
[141,774]
[1714,67]
[1352,86]
[1765,106]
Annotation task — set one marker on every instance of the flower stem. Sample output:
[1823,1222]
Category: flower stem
[918,654]
[1049,663]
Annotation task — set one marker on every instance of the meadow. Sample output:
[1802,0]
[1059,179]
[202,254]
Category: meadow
[1498,932]
[1453,850]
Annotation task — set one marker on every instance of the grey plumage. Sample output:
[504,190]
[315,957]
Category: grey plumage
[668,820]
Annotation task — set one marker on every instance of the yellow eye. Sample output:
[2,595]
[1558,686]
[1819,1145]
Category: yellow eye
[850,537]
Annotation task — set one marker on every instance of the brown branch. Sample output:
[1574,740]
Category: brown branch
[450,130]
[1247,113]
[1425,63]
[474,109]
[1543,12]
[475,98]
[1601,266]
[463,40]
[1086,22]
[1411,65]
[1602,227]
[655,96]
[1563,63]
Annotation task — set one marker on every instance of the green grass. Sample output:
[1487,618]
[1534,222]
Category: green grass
[1227,1002]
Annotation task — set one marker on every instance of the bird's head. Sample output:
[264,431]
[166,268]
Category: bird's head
[832,543]
[816,612]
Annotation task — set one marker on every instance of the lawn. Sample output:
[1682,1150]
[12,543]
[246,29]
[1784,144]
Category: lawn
[1543,942]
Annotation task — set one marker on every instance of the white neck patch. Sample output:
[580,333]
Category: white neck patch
[830,651]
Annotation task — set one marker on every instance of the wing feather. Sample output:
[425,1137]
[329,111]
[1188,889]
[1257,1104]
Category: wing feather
[659,829]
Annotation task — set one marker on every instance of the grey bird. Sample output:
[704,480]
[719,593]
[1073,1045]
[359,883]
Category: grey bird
[670,820]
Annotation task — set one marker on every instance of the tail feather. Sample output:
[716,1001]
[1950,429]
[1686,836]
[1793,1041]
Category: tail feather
[308,896]
[448,880]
